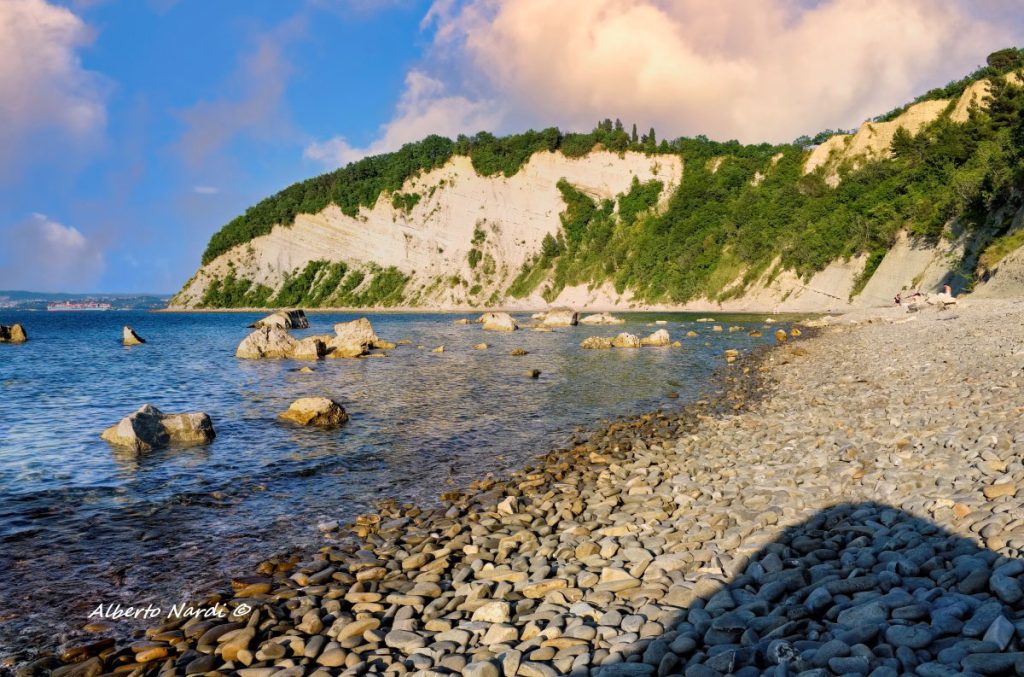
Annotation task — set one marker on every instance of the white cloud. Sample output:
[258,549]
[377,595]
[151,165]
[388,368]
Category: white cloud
[756,71]
[254,103]
[42,83]
[423,109]
[44,255]
[205,190]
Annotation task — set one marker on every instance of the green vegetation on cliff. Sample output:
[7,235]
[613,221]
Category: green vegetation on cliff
[318,284]
[739,212]
[740,208]
[360,183]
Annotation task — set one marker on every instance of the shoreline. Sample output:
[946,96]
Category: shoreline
[634,551]
[402,310]
[749,381]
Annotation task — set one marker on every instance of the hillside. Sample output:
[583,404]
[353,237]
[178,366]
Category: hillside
[925,195]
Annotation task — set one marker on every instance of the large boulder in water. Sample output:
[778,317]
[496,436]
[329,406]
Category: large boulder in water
[601,318]
[276,342]
[498,322]
[355,338]
[149,428]
[288,319]
[561,317]
[130,338]
[14,333]
[315,411]
[658,338]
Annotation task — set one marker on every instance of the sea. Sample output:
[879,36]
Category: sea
[83,523]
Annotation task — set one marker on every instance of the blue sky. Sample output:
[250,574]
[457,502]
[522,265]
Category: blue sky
[130,130]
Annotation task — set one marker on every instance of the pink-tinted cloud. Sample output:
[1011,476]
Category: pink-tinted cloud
[43,86]
[767,70]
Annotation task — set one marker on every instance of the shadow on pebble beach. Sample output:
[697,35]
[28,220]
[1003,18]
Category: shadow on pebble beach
[858,589]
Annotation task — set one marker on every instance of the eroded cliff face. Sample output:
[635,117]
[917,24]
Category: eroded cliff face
[873,139]
[449,238]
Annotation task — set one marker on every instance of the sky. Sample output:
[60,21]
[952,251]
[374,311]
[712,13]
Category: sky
[131,130]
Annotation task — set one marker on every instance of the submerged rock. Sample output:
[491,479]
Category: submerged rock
[658,338]
[315,411]
[480,346]
[519,352]
[498,322]
[560,317]
[130,338]
[149,428]
[276,342]
[14,333]
[601,318]
[288,319]
[780,335]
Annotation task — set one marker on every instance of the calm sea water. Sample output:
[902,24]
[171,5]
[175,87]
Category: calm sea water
[83,523]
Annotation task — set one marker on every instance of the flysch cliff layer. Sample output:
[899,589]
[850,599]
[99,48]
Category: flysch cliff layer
[431,242]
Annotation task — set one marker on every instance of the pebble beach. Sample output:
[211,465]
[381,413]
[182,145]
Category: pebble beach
[847,503]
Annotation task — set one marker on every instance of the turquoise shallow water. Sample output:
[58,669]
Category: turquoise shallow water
[82,523]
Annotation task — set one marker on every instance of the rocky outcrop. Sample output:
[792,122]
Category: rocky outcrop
[315,411]
[276,342]
[626,340]
[601,318]
[560,317]
[658,338]
[623,340]
[288,319]
[498,322]
[355,338]
[14,333]
[130,338]
[149,428]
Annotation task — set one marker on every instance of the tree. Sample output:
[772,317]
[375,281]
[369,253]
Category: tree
[618,125]
[1005,60]
[633,137]
[902,143]
[549,247]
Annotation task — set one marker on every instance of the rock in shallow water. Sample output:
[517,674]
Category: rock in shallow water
[320,412]
[14,333]
[130,338]
[276,342]
[149,428]
[286,319]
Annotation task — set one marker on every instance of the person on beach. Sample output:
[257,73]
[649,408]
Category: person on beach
[898,299]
